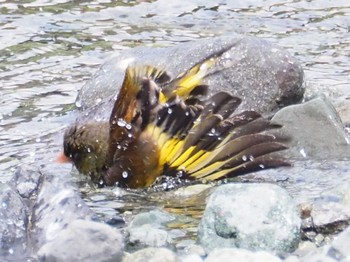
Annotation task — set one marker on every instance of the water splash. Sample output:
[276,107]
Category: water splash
[125,174]
[303,153]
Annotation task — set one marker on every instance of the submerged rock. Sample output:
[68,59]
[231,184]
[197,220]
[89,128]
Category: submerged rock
[252,216]
[147,230]
[264,75]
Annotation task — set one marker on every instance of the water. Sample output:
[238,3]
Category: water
[50,48]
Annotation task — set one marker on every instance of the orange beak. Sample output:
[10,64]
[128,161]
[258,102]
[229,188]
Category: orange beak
[62,158]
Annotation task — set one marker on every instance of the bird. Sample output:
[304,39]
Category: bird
[163,127]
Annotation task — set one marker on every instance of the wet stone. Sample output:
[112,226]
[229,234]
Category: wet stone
[148,236]
[317,257]
[57,204]
[307,125]
[13,226]
[236,254]
[339,248]
[263,74]
[191,258]
[26,181]
[292,259]
[331,210]
[154,217]
[152,254]
[258,217]
[305,248]
[147,230]
[84,241]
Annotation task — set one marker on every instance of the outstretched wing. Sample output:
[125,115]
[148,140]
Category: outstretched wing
[190,85]
[127,106]
[198,142]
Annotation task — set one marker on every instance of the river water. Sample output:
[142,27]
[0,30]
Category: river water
[49,48]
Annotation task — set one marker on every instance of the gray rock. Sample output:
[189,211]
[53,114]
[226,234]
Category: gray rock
[148,236]
[292,259]
[235,254]
[331,210]
[13,226]
[343,110]
[191,258]
[322,185]
[57,204]
[339,248]
[252,216]
[154,217]
[305,248]
[264,75]
[195,249]
[147,229]
[317,258]
[26,180]
[315,129]
[84,241]
[152,255]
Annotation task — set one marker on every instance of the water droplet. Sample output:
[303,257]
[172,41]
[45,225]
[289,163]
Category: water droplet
[170,111]
[4,204]
[38,140]
[125,174]
[244,158]
[302,152]
[78,103]
[11,251]
[251,158]
[129,135]
[180,173]
[128,126]
[261,166]
[187,114]
[121,122]
[89,150]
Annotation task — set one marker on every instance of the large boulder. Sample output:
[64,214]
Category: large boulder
[264,75]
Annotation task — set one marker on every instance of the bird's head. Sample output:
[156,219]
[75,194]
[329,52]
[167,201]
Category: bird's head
[86,146]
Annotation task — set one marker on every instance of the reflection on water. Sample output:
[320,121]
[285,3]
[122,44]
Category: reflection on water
[49,48]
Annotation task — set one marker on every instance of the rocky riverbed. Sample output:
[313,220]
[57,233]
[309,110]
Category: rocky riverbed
[300,213]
